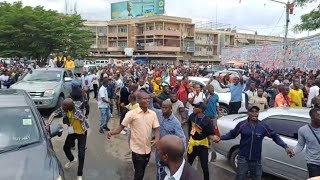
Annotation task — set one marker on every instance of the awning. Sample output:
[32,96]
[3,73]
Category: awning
[243,41]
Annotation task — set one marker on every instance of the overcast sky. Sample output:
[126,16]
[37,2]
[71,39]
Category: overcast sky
[263,16]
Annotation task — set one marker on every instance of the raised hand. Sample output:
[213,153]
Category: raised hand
[290,152]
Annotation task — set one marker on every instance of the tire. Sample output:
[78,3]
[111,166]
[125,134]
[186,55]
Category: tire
[233,158]
[59,103]
[224,109]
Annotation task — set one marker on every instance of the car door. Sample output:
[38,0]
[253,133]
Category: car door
[66,85]
[274,157]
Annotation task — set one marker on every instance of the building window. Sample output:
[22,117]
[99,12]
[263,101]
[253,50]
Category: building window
[122,30]
[113,44]
[122,44]
[149,28]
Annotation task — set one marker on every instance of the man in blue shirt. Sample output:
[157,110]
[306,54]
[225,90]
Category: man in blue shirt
[212,103]
[236,89]
[169,125]
[252,132]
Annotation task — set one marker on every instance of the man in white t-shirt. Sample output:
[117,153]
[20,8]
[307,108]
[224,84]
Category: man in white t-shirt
[195,97]
[104,106]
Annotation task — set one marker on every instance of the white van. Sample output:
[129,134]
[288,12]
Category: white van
[102,62]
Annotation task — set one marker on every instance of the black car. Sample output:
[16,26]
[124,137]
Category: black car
[26,151]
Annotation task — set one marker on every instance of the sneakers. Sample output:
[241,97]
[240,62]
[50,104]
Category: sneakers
[79,178]
[101,131]
[68,165]
[123,132]
[106,128]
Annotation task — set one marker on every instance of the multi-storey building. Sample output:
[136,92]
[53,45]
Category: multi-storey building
[162,39]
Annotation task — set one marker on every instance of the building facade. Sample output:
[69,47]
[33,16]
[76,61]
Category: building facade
[165,39]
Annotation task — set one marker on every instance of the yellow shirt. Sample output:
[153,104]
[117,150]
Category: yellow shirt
[75,123]
[132,107]
[69,65]
[296,97]
[156,88]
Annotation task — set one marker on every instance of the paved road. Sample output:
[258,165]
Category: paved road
[108,160]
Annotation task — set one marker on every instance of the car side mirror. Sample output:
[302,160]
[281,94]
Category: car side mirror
[67,79]
[56,130]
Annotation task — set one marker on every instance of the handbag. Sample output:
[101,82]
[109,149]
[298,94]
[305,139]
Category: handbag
[314,134]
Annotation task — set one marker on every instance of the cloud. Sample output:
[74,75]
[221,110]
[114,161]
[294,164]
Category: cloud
[263,16]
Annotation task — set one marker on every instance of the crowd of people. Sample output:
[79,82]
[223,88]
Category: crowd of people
[175,117]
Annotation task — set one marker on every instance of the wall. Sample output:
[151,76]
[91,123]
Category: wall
[303,53]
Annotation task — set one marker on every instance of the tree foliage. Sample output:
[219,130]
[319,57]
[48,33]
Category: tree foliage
[309,21]
[35,33]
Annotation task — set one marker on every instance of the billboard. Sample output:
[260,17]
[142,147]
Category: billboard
[136,8]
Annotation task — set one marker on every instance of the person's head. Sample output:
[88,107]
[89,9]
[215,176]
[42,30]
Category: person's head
[132,98]
[286,90]
[60,54]
[309,82]
[143,99]
[315,116]
[133,87]
[105,82]
[166,89]
[317,82]
[69,58]
[173,97]
[210,88]
[260,91]
[141,81]
[253,113]
[166,108]
[236,80]
[286,82]
[85,73]
[158,80]
[171,150]
[280,78]
[252,86]
[199,108]
[197,88]
[296,84]
[67,104]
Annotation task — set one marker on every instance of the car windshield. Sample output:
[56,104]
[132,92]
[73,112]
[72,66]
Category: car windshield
[18,128]
[42,76]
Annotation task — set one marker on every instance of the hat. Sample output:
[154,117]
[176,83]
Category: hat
[200,105]
[252,107]
[276,82]
[286,81]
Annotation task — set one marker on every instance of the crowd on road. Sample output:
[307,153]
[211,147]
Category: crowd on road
[158,110]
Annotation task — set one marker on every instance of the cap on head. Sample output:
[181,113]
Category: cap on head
[253,107]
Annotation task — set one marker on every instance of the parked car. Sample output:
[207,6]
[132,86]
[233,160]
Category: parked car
[101,62]
[48,87]
[223,93]
[26,151]
[286,122]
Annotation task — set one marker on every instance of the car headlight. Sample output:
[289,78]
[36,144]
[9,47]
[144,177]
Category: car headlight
[59,178]
[48,92]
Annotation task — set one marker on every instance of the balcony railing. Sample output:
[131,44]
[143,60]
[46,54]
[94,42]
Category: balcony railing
[115,48]
[162,48]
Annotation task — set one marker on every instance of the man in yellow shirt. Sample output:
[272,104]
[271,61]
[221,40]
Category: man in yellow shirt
[69,64]
[74,117]
[296,95]
[60,60]
[157,88]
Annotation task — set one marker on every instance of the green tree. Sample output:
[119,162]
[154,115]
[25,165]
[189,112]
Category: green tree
[35,33]
[309,21]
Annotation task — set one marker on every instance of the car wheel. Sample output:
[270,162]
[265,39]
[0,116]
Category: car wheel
[59,103]
[234,158]
[224,110]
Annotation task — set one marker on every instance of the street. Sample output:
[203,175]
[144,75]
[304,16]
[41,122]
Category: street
[106,159]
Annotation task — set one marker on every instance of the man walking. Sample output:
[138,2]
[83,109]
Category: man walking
[77,130]
[169,125]
[313,92]
[252,133]
[171,150]
[309,136]
[104,106]
[202,129]
[141,121]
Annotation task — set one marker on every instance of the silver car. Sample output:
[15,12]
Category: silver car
[286,122]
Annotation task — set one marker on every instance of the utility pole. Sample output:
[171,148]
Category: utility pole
[289,6]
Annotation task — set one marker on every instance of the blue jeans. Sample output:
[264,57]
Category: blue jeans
[244,166]
[105,116]
[160,168]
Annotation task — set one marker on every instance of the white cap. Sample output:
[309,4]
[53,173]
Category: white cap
[276,82]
